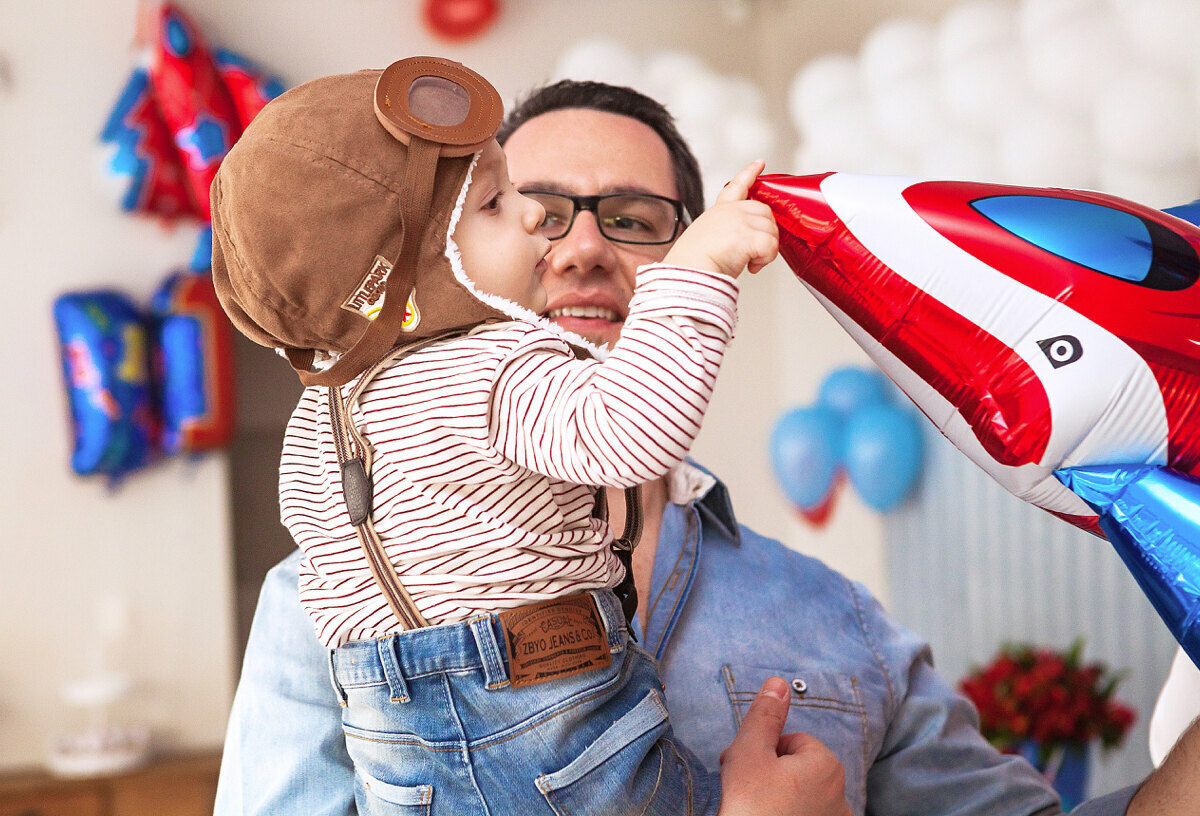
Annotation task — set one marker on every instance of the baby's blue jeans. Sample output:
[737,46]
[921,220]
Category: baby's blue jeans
[434,727]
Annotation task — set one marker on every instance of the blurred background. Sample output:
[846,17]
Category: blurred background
[158,573]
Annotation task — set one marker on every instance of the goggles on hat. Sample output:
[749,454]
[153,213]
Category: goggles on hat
[437,108]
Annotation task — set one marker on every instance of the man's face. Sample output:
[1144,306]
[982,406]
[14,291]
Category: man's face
[576,151]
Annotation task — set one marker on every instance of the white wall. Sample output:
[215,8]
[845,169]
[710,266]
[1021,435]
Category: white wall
[161,540]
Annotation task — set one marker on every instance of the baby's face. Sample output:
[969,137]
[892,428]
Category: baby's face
[503,252]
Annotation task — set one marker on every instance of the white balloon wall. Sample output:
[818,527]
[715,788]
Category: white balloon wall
[722,117]
[1099,94]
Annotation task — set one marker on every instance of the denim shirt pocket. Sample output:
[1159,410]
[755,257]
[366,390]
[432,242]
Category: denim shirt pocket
[826,704]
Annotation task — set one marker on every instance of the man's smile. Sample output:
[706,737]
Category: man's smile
[589,312]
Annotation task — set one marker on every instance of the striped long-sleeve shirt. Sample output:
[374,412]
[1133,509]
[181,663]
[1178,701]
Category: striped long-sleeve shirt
[486,451]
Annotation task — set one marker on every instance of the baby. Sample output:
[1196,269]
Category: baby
[441,470]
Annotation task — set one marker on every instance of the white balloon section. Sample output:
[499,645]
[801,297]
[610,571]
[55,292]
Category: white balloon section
[723,117]
[1091,94]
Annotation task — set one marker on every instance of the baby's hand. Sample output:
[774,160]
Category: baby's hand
[735,234]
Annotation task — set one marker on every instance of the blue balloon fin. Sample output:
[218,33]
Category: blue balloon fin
[1152,517]
[1188,212]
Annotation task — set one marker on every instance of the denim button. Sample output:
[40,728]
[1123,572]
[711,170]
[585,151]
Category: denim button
[799,686]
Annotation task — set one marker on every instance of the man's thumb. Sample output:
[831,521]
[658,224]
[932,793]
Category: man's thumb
[763,723]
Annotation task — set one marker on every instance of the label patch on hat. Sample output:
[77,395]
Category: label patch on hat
[367,297]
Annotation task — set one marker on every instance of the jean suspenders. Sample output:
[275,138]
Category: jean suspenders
[355,456]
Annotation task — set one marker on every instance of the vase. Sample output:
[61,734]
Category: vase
[1066,769]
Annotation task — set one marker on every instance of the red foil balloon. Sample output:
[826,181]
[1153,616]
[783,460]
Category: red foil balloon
[144,157]
[1038,328]
[1052,335]
[194,101]
[176,120]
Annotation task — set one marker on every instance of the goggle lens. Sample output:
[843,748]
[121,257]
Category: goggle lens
[438,101]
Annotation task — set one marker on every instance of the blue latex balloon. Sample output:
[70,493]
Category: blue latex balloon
[1151,515]
[847,389]
[805,450]
[883,454]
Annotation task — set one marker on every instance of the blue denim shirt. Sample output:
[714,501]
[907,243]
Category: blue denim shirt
[727,609]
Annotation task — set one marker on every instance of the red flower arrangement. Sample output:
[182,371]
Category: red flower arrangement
[1034,693]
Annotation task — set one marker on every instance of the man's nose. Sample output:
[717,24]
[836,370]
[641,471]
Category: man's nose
[583,248]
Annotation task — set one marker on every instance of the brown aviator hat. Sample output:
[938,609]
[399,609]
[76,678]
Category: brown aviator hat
[340,194]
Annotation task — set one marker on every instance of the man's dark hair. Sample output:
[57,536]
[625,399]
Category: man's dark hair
[569,93]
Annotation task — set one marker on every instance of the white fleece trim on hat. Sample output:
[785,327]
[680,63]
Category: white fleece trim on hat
[503,304]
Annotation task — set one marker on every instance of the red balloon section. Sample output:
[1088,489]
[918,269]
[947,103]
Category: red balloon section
[459,19]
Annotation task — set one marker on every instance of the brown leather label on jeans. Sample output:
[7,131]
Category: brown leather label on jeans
[552,639]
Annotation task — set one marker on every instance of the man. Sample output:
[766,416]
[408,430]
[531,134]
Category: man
[719,606]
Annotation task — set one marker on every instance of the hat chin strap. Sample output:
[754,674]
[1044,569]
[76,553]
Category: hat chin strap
[380,336]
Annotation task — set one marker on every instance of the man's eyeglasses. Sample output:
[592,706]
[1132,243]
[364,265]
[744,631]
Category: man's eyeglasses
[628,218]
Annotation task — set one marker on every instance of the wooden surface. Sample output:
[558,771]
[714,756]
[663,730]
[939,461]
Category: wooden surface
[176,786]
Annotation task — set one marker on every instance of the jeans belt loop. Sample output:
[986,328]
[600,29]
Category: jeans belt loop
[491,652]
[611,616]
[337,687]
[389,658]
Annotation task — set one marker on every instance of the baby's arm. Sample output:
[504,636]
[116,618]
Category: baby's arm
[631,418]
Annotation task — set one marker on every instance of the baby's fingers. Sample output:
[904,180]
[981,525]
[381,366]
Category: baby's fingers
[762,254]
[762,241]
[739,186]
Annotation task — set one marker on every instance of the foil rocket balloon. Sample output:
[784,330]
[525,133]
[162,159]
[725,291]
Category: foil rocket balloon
[249,87]
[1045,332]
[104,358]
[194,101]
[144,154]
[195,366]
[177,118]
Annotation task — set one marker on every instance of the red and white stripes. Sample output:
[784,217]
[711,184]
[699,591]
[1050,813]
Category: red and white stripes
[485,450]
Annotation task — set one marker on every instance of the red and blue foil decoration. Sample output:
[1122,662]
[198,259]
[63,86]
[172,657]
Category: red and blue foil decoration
[178,116]
[1052,335]
[249,86]
[194,348]
[145,158]
[104,347]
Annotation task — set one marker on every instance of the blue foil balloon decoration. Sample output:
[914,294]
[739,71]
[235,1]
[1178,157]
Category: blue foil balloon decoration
[1152,517]
[106,369]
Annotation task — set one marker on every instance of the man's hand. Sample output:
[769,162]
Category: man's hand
[735,234]
[764,773]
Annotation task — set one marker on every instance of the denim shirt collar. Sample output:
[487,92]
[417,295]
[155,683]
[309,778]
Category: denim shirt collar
[690,484]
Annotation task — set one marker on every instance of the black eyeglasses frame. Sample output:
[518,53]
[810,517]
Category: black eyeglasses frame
[590,203]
